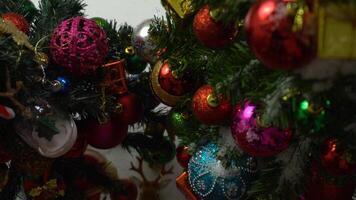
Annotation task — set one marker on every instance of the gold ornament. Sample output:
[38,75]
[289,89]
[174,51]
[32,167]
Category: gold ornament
[130,50]
[182,7]
[162,95]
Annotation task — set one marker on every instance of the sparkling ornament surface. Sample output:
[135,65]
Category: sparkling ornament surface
[335,162]
[183,156]
[277,34]
[106,135]
[168,89]
[211,33]
[254,139]
[130,109]
[18,20]
[211,180]
[142,42]
[60,143]
[205,112]
[79,45]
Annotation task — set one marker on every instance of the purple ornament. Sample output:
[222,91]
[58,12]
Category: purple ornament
[79,45]
[254,139]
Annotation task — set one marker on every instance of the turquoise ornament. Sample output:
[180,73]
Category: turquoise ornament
[211,180]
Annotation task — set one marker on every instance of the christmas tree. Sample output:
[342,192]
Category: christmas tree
[259,99]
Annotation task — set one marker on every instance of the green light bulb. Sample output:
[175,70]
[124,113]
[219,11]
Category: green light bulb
[304,105]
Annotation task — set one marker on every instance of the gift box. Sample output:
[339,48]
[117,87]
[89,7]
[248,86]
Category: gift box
[115,78]
[183,185]
[182,7]
[336,29]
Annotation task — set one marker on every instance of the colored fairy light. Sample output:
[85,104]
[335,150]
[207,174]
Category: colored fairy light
[304,105]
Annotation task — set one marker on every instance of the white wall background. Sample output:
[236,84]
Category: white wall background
[133,12]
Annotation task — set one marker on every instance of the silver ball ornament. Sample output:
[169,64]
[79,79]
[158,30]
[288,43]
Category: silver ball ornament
[142,42]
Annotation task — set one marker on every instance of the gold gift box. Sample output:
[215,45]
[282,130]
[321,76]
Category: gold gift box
[183,185]
[336,30]
[182,7]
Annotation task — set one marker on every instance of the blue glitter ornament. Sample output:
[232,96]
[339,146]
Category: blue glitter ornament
[60,85]
[211,180]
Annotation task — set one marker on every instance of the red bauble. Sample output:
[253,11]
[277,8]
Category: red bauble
[18,20]
[131,191]
[335,162]
[183,156]
[269,26]
[211,33]
[321,189]
[173,85]
[130,109]
[106,135]
[78,148]
[169,87]
[208,108]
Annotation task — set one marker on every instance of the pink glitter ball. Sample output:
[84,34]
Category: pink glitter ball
[79,45]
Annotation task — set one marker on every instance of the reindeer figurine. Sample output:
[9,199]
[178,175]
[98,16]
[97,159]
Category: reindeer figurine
[150,189]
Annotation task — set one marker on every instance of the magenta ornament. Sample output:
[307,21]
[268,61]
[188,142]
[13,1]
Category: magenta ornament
[103,135]
[79,45]
[254,139]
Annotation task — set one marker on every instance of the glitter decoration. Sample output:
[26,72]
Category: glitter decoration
[210,108]
[253,138]
[79,45]
[212,33]
[211,180]
[18,20]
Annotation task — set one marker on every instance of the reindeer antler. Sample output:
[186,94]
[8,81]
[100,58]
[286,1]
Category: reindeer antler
[163,173]
[139,169]
[11,93]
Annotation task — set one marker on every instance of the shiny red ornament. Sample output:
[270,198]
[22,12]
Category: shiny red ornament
[211,33]
[183,156]
[277,39]
[254,139]
[104,135]
[168,86]
[131,191]
[18,20]
[78,148]
[171,83]
[209,108]
[335,162]
[130,108]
